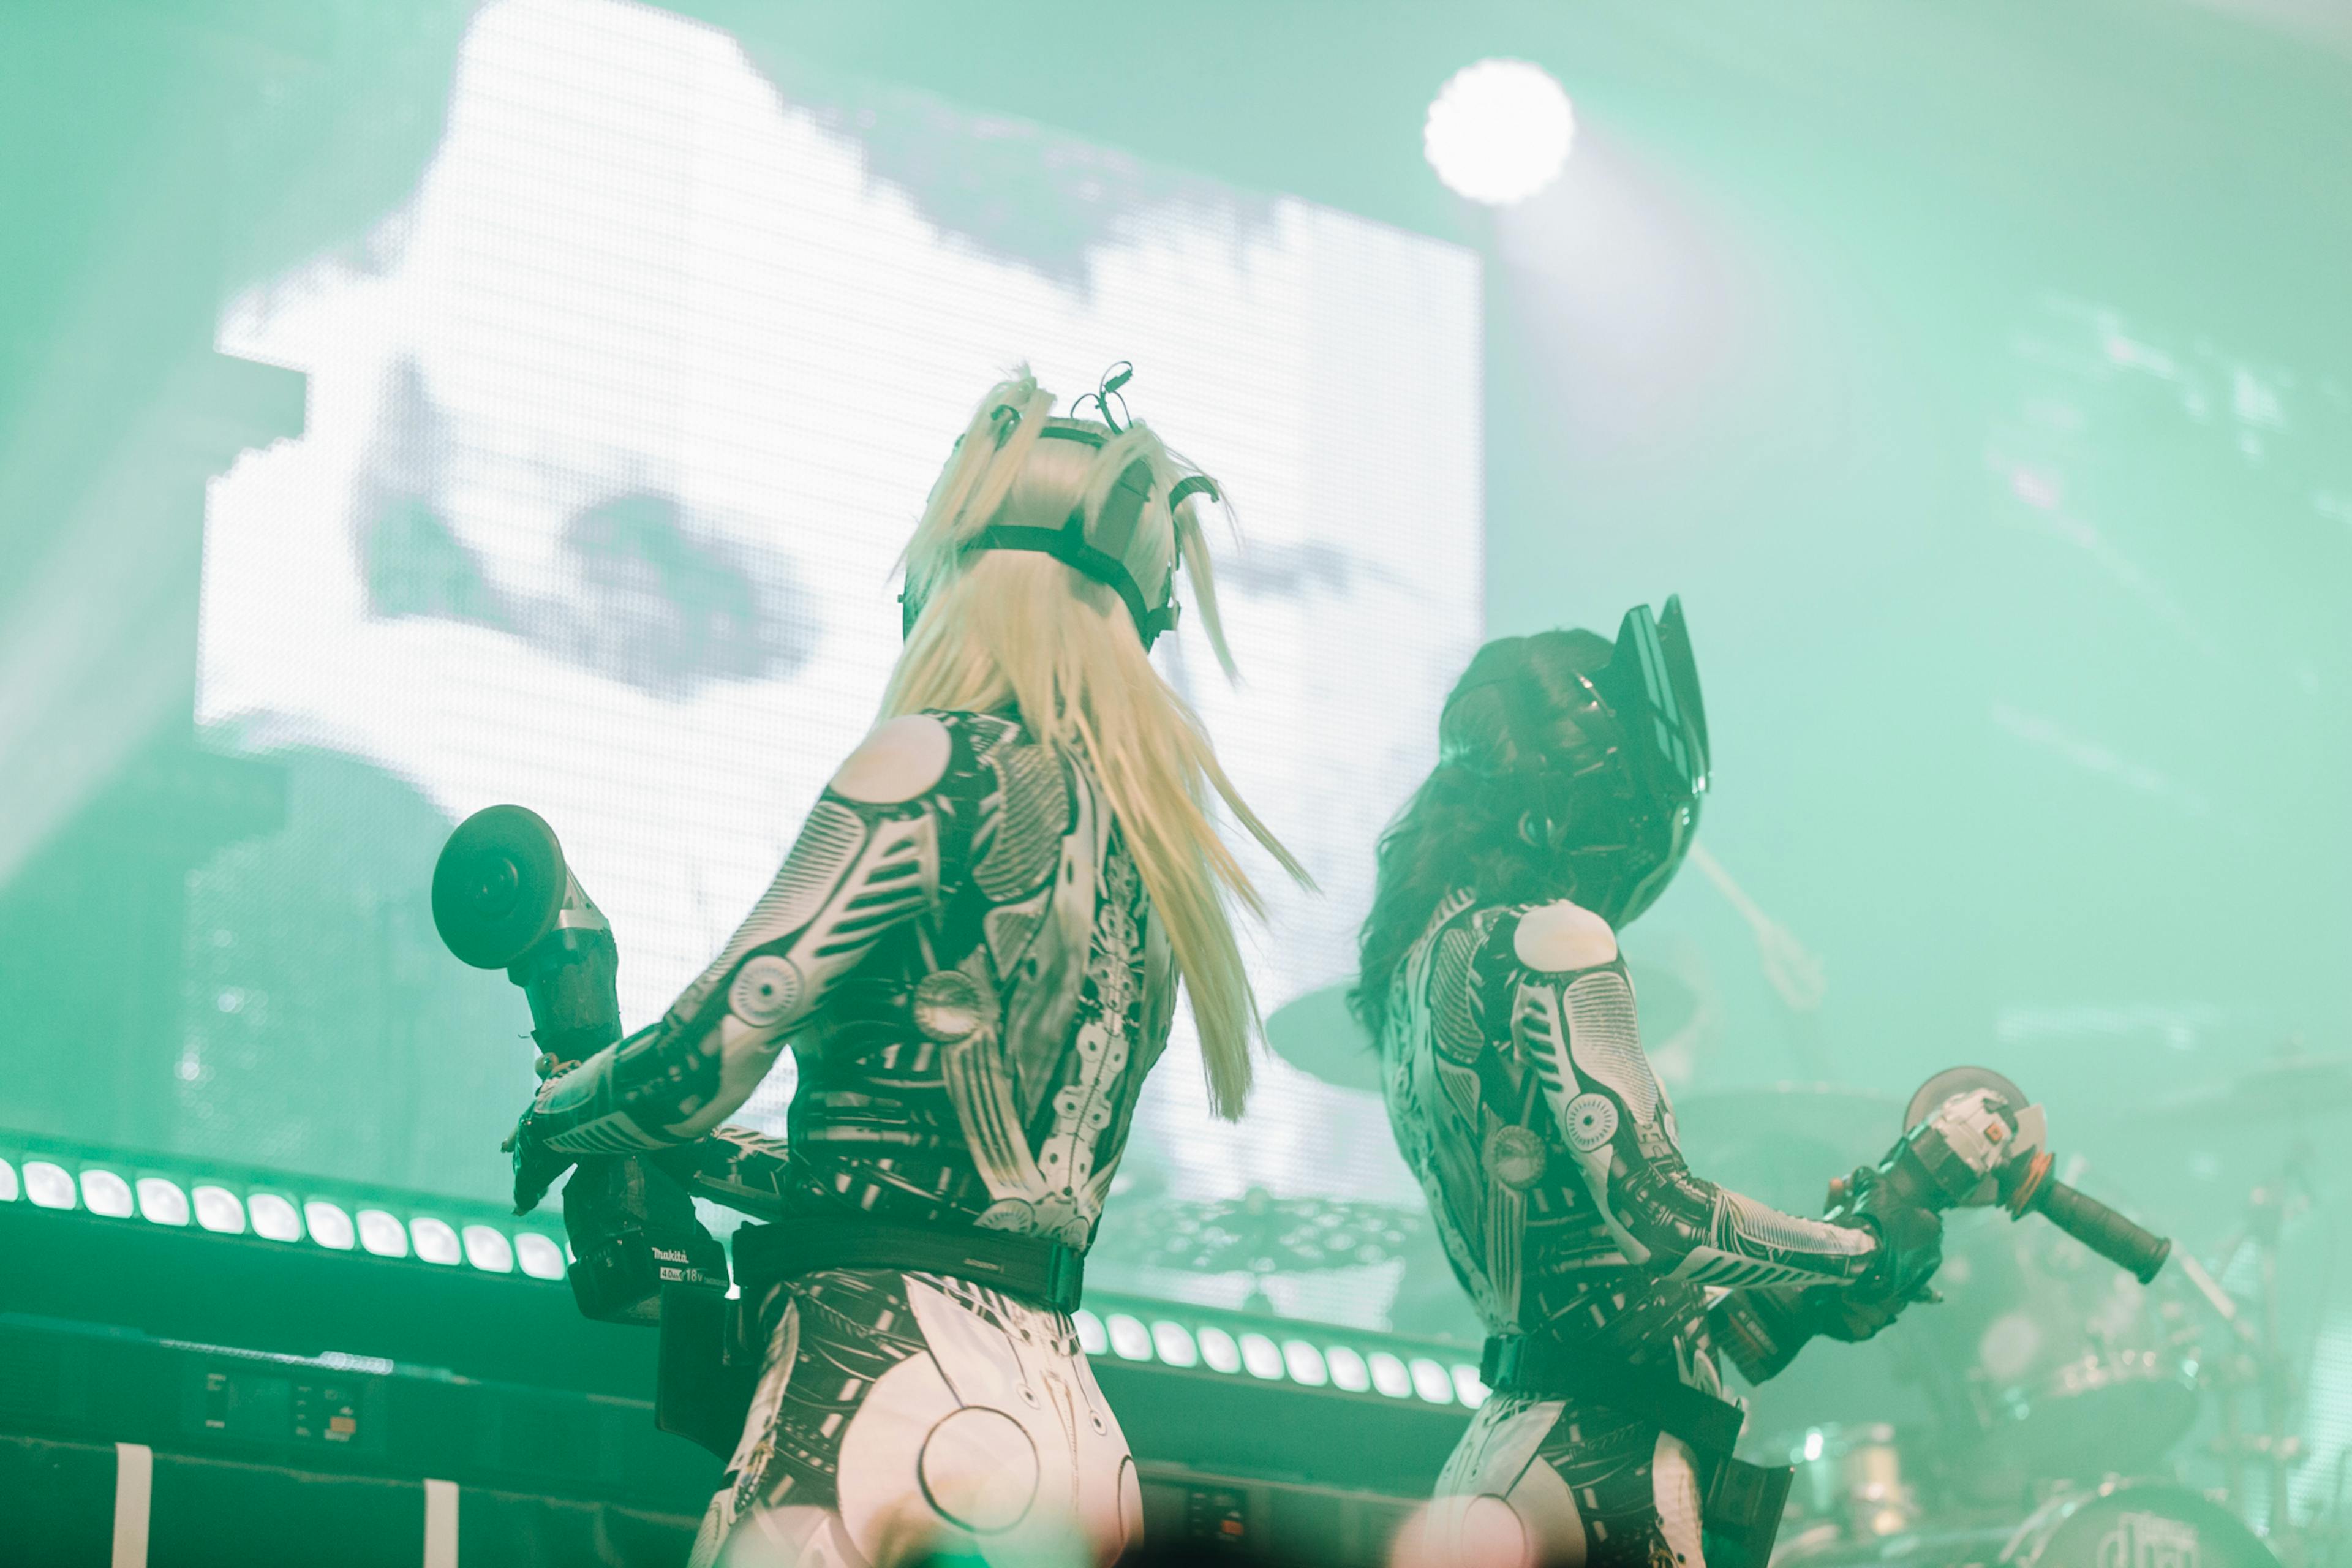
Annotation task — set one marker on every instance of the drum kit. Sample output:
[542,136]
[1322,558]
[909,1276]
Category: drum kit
[2049,1410]
[2063,1412]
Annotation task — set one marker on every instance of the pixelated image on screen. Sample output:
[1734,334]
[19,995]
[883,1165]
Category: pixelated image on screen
[615,429]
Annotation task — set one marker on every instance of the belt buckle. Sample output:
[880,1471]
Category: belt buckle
[1065,1277]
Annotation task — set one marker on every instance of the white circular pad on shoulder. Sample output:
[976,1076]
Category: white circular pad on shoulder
[898,761]
[1557,938]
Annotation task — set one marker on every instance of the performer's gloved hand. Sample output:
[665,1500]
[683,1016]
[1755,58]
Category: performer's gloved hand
[536,1166]
[1910,1249]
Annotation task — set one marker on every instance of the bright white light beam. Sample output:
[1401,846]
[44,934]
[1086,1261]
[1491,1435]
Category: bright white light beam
[1499,132]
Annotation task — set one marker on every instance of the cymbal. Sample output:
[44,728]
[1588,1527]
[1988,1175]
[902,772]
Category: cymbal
[1317,1034]
[1258,1233]
[2294,1086]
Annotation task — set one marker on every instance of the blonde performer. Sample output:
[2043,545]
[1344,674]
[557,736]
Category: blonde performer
[974,952]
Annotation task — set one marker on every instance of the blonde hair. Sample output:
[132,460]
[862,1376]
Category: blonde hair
[999,626]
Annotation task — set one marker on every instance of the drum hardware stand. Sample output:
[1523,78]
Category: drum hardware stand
[2259,1359]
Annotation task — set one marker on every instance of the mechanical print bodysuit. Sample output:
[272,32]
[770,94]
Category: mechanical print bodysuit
[1520,1095]
[960,951]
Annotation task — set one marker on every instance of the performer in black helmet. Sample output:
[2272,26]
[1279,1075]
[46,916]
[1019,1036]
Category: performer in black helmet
[1566,793]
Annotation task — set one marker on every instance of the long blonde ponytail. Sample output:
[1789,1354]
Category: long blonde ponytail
[999,626]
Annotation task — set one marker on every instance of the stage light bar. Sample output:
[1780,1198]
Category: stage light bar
[383,1234]
[436,1242]
[103,1191]
[161,1201]
[330,1225]
[219,1210]
[49,1185]
[263,1208]
[274,1217]
[1174,1343]
[266,1209]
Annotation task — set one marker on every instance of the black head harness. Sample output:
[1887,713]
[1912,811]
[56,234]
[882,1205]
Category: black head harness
[1101,555]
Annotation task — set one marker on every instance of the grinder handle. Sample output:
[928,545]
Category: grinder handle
[2135,1251]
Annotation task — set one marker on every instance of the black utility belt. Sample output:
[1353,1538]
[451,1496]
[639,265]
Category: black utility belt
[712,1349]
[1041,1271]
[1739,1502]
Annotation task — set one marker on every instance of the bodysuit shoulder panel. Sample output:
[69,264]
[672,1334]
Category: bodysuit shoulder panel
[1561,938]
[901,759]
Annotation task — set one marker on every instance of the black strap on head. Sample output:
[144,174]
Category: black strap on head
[1122,513]
[1114,378]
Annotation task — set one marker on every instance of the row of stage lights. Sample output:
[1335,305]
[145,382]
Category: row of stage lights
[1297,1361]
[275,1215]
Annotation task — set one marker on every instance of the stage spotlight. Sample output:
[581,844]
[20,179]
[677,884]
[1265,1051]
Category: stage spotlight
[7,1183]
[1261,1356]
[330,1225]
[1174,1343]
[163,1202]
[379,1233]
[539,1257]
[274,1217]
[436,1242]
[218,1209]
[1390,1376]
[488,1249]
[1499,132]
[1218,1349]
[1091,1338]
[1432,1382]
[1468,1388]
[1305,1364]
[103,1191]
[1129,1340]
[1347,1370]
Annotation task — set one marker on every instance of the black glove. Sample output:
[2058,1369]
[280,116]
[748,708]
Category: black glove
[536,1166]
[1910,1249]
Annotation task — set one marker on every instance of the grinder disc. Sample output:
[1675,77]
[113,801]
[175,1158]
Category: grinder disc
[499,886]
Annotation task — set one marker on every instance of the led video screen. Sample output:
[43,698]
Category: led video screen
[615,429]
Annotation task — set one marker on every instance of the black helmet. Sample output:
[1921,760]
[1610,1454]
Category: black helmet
[1607,744]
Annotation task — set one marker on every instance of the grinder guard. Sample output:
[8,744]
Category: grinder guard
[504,899]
